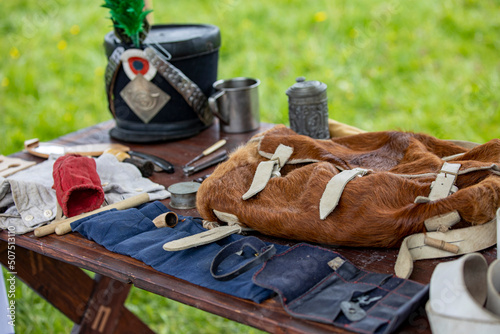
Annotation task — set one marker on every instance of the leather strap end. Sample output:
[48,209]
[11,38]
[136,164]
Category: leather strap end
[202,238]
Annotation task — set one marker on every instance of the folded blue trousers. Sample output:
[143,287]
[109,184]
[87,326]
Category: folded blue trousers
[132,232]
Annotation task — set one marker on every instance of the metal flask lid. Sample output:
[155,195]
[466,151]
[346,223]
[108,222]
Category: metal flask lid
[304,89]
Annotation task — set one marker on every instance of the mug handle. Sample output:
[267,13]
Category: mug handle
[212,103]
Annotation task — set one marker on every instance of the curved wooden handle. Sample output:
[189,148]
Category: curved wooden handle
[214,147]
[64,226]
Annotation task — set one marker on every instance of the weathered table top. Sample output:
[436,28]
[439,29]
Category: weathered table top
[270,315]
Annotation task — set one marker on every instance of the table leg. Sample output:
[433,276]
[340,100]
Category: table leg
[95,306]
[105,312]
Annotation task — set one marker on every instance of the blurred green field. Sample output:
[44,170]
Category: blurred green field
[422,66]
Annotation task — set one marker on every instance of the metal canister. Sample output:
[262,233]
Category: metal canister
[308,108]
[183,195]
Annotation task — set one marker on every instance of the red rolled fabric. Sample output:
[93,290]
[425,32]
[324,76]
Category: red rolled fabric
[77,184]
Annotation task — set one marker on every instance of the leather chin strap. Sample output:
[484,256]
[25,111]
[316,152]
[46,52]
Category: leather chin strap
[114,64]
[191,93]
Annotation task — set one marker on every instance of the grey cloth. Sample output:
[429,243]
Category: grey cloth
[29,201]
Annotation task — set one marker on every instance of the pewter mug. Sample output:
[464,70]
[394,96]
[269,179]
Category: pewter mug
[236,104]
[308,108]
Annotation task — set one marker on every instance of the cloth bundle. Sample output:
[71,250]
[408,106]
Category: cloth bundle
[132,232]
[28,198]
[370,189]
[77,184]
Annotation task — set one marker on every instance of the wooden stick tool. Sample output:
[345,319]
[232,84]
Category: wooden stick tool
[64,226]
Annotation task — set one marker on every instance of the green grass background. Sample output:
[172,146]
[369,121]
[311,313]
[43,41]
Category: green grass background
[423,66]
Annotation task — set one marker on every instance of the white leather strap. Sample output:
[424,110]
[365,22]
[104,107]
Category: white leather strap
[334,188]
[444,184]
[261,177]
[445,181]
[468,239]
[202,238]
[442,223]
[268,169]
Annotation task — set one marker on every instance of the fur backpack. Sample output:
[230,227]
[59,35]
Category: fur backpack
[371,189]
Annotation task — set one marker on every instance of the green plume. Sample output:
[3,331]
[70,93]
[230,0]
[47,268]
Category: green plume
[128,15]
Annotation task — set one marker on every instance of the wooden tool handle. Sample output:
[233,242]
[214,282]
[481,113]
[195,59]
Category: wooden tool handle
[145,167]
[120,155]
[214,147]
[441,244]
[64,226]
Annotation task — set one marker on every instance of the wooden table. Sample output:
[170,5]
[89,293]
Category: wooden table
[52,265]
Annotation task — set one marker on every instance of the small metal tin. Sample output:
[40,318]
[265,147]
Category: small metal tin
[183,195]
[308,108]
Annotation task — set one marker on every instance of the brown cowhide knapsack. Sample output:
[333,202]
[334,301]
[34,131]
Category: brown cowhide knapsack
[288,185]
